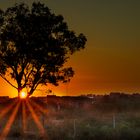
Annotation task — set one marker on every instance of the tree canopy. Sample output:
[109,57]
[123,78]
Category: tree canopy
[34,46]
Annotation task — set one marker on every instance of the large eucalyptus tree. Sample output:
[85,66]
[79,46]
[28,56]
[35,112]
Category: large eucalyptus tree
[34,46]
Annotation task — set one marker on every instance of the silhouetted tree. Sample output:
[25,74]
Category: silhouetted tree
[34,45]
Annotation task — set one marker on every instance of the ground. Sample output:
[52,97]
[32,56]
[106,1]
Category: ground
[43,119]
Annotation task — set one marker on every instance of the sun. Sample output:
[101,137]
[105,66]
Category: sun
[23,95]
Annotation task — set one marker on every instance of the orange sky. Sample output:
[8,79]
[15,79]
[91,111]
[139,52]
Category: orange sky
[110,61]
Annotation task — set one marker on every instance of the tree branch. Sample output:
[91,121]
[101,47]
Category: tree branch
[27,76]
[8,81]
[36,80]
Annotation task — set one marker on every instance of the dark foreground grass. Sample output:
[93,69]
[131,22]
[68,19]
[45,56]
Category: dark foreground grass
[79,123]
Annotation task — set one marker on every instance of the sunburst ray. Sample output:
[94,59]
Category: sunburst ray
[35,118]
[9,122]
[39,107]
[24,116]
[6,109]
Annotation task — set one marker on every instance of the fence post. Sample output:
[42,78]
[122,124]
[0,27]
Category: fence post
[74,128]
[114,121]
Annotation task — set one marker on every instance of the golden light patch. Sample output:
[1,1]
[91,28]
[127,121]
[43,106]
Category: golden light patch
[23,95]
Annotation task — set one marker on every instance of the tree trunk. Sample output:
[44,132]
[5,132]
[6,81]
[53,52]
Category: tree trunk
[19,90]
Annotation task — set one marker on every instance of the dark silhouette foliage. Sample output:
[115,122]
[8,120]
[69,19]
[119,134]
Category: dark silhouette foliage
[34,46]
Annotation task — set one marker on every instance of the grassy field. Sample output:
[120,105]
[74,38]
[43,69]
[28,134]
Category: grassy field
[100,120]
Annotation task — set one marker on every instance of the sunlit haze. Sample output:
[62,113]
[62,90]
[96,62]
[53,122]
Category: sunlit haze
[23,94]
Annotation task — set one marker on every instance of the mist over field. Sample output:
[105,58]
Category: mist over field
[89,117]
